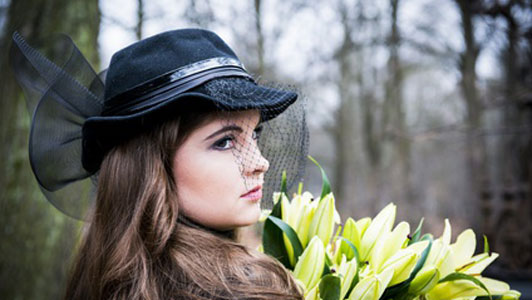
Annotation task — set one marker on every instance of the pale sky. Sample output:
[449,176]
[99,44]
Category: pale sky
[308,31]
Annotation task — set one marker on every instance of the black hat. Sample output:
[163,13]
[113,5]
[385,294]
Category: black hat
[77,118]
[155,72]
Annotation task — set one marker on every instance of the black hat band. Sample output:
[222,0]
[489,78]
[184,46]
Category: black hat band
[169,85]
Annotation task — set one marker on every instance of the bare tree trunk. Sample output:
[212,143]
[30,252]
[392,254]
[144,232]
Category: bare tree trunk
[373,144]
[513,217]
[343,127]
[475,144]
[140,19]
[37,240]
[394,111]
[260,36]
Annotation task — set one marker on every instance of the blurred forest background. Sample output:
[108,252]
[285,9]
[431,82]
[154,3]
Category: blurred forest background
[424,103]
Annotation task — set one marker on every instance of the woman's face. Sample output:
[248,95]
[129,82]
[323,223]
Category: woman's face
[215,169]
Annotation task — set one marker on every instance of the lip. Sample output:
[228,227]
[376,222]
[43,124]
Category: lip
[253,194]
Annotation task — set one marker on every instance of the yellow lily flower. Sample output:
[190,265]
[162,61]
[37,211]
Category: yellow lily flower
[313,294]
[511,295]
[425,280]
[455,289]
[380,225]
[440,254]
[464,288]
[353,232]
[305,214]
[371,287]
[388,245]
[403,262]
[322,224]
[288,217]
[310,265]
[362,225]
[348,272]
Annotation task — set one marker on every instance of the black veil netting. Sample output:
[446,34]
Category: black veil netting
[60,94]
[283,140]
[62,91]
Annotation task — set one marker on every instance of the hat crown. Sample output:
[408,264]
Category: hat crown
[160,54]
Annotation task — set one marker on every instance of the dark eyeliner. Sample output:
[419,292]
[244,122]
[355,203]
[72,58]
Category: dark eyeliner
[216,144]
[257,131]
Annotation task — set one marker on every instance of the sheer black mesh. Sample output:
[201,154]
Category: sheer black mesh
[60,96]
[283,138]
[64,91]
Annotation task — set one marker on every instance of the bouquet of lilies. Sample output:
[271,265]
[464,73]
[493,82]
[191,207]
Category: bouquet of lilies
[371,258]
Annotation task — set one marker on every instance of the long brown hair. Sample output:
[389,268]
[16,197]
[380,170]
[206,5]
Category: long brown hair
[136,247]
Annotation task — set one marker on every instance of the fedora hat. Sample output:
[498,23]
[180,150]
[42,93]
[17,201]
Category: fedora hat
[79,115]
[153,73]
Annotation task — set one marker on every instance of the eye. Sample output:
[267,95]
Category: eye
[225,143]
[257,132]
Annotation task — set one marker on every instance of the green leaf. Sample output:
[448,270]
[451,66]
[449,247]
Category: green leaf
[421,260]
[486,246]
[291,234]
[461,276]
[283,185]
[329,287]
[325,186]
[272,238]
[417,234]
[327,265]
[277,210]
[395,291]
[493,297]
[354,283]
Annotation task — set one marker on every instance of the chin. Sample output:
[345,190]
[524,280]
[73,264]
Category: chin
[251,218]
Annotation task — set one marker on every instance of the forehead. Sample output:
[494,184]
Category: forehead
[246,119]
[240,118]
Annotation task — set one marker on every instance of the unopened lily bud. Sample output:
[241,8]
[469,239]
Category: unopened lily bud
[455,289]
[402,263]
[371,287]
[388,245]
[511,295]
[424,281]
[275,197]
[322,224]
[313,294]
[264,214]
[362,225]
[352,234]
[337,255]
[310,265]
[308,208]
[287,215]
[382,224]
[349,272]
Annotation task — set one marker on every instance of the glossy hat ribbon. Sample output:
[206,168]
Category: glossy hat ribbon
[168,85]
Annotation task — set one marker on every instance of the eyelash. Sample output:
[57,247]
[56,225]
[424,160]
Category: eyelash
[257,132]
[218,145]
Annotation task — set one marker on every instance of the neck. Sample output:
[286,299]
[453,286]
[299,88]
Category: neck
[229,234]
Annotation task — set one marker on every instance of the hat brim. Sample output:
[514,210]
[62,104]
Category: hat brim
[101,133]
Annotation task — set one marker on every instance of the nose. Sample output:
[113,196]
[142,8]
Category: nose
[255,164]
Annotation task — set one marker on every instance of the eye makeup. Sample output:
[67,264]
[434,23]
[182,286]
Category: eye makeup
[221,144]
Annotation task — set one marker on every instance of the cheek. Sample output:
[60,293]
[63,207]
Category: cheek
[207,174]
[209,185]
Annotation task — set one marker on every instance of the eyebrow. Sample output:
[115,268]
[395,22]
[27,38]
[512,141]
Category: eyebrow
[224,129]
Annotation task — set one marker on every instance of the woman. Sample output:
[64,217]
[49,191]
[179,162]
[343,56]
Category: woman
[171,139]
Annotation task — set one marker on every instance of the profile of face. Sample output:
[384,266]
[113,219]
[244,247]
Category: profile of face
[219,171]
